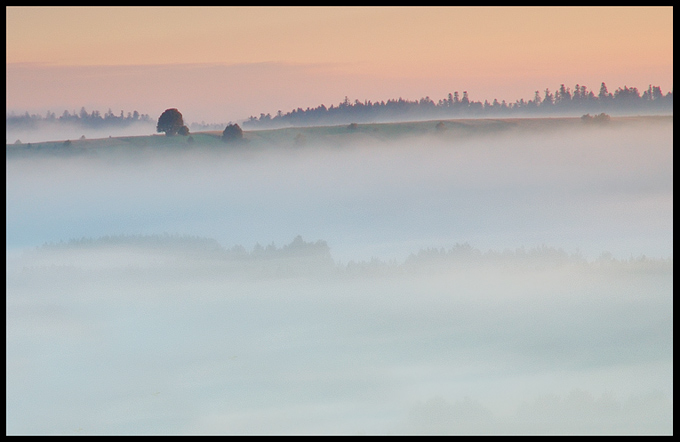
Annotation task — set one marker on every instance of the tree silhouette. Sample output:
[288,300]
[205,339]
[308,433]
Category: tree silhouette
[604,93]
[232,133]
[170,122]
[601,118]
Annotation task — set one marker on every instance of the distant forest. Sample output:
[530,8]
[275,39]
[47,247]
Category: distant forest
[316,255]
[562,101]
[94,120]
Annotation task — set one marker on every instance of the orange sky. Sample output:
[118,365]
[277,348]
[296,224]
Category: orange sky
[231,62]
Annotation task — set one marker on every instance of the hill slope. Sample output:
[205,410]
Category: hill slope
[333,135]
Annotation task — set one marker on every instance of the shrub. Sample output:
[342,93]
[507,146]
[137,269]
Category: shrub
[599,119]
[232,133]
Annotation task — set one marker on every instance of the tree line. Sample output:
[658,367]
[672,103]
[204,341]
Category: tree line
[85,119]
[563,100]
[317,254]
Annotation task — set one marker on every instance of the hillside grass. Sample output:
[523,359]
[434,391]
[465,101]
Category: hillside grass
[339,135]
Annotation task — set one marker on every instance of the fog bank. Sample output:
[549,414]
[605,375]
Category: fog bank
[590,191]
[516,283]
[177,335]
[47,131]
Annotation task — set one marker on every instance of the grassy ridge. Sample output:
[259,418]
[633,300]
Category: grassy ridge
[334,135]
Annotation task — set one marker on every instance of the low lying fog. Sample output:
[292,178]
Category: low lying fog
[46,131]
[588,191]
[518,283]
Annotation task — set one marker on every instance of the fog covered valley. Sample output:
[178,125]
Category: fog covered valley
[519,282]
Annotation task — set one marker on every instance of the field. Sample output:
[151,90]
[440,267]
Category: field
[329,135]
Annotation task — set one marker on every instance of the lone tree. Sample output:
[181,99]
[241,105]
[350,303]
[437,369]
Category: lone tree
[231,133]
[170,122]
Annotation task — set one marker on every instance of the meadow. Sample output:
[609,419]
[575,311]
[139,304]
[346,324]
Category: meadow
[336,135]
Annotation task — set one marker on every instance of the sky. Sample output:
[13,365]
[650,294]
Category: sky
[218,64]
